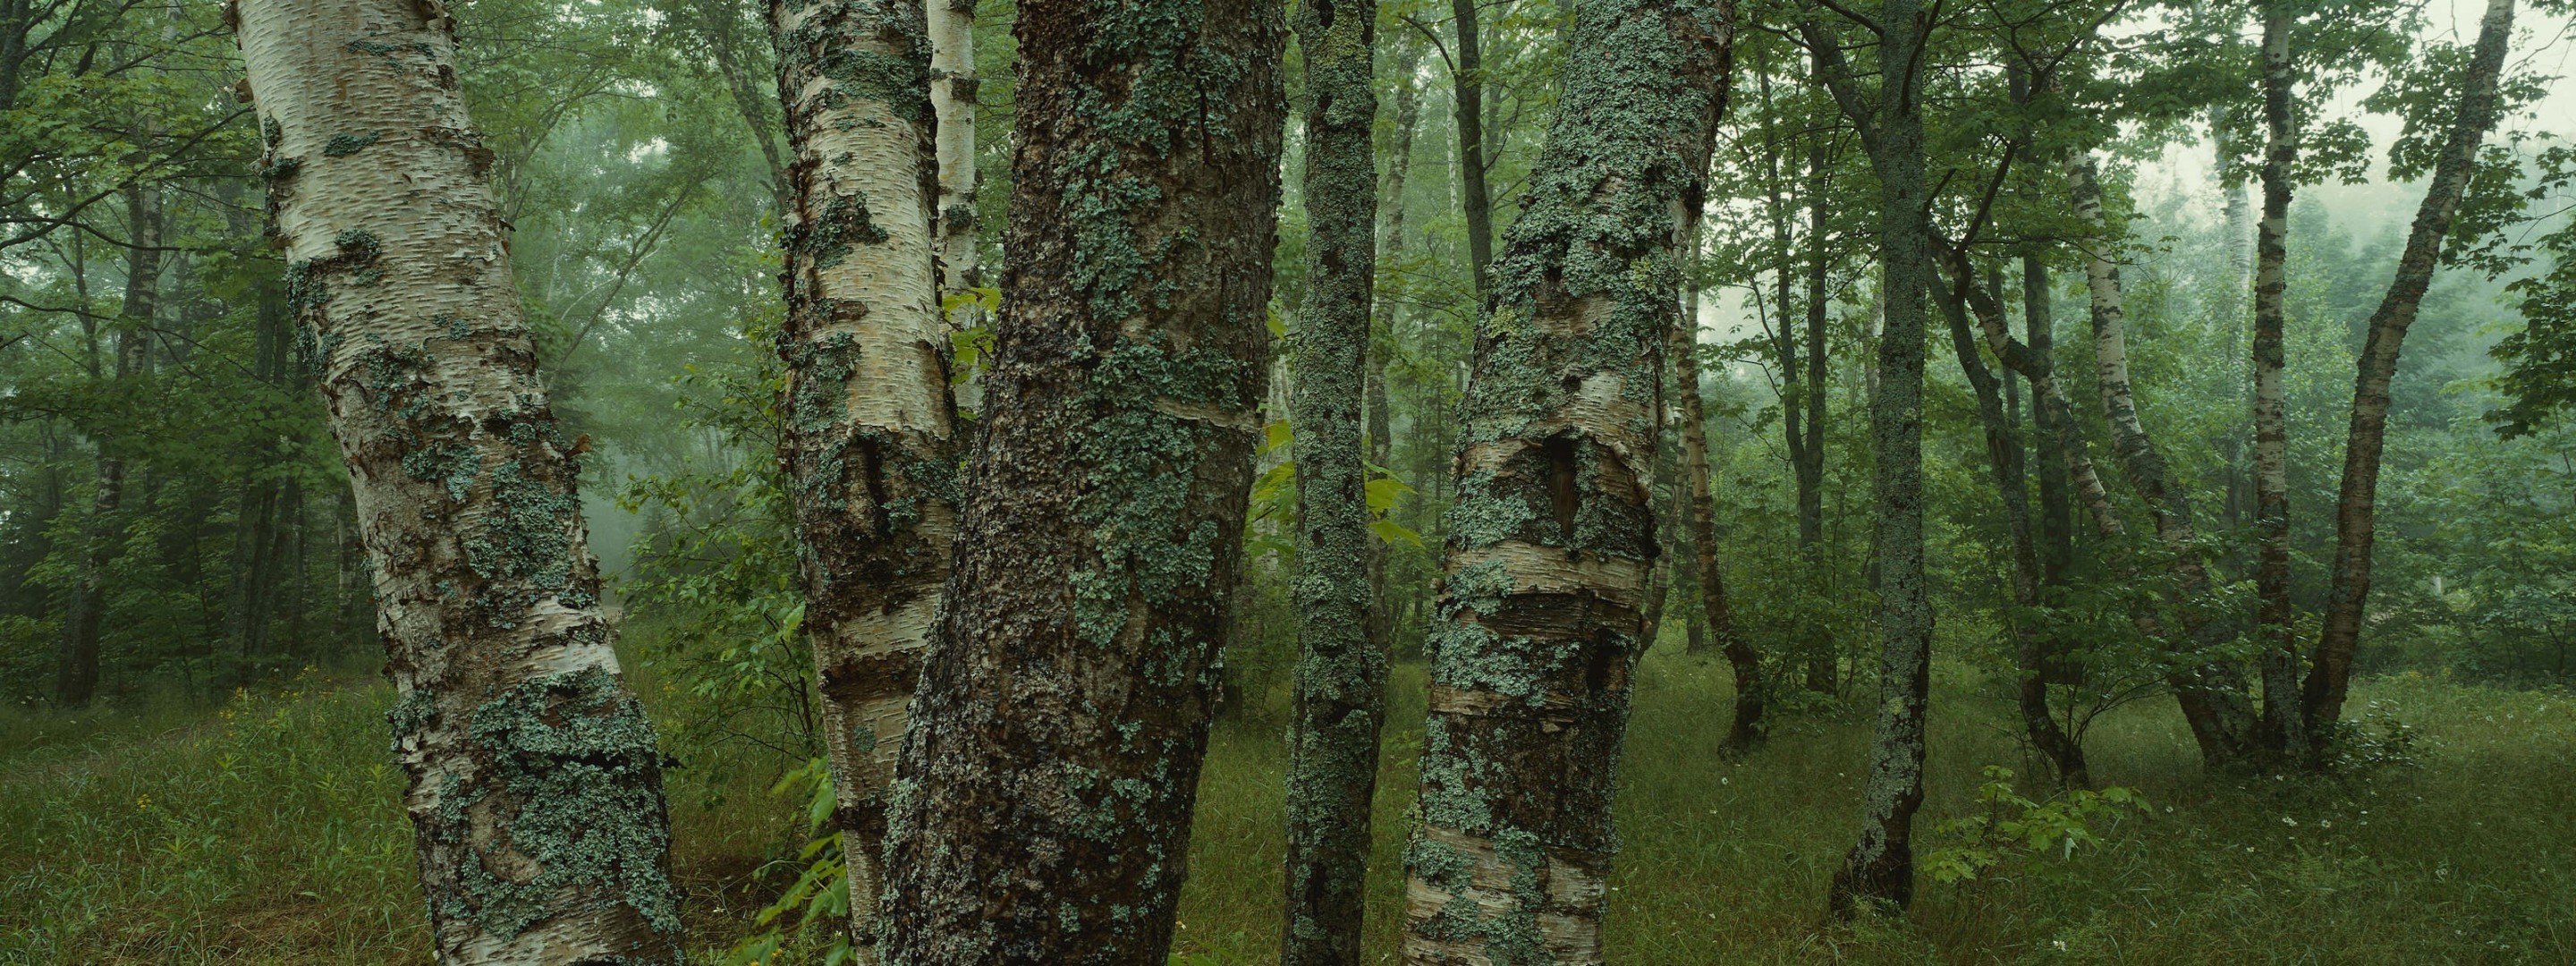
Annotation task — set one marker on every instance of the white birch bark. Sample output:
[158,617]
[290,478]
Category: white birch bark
[535,785]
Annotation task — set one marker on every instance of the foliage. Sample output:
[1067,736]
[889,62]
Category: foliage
[2016,827]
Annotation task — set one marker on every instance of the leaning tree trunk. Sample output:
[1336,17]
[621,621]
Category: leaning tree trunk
[2356,503]
[535,785]
[1553,532]
[2212,691]
[1751,690]
[2284,724]
[872,473]
[1879,870]
[1042,808]
[1340,686]
[76,673]
[2004,457]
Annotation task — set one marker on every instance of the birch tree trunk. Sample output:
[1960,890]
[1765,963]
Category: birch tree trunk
[2213,691]
[535,785]
[76,672]
[867,447]
[2356,502]
[1553,533]
[1042,809]
[2284,723]
[1811,469]
[1340,683]
[953,88]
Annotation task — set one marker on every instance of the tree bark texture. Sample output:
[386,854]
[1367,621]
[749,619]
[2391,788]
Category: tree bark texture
[1469,86]
[2357,499]
[535,785]
[1879,869]
[2213,693]
[952,101]
[1041,812]
[1752,691]
[84,621]
[1340,681]
[868,444]
[1551,540]
[2284,723]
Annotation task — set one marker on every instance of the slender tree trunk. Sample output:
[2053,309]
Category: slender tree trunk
[2356,502]
[1811,469]
[2056,511]
[953,88]
[869,429]
[1553,533]
[76,674]
[1042,808]
[2004,456]
[246,608]
[536,787]
[1478,204]
[1879,870]
[2284,723]
[1752,692]
[1382,336]
[2213,691]
[1340,686]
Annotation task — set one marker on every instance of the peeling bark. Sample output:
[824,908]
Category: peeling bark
[1552,536]
[1041,812]
[535,785]
[2356,501]
[868,443]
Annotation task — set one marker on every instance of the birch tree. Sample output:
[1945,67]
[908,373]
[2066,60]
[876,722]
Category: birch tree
[535,787]
[1041,812]
[1551,540]
[867,444]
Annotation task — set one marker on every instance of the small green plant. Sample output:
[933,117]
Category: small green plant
[2014,826]
[2375,742]
[819,899]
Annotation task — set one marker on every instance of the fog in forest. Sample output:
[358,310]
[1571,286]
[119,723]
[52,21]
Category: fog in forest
[1334,482]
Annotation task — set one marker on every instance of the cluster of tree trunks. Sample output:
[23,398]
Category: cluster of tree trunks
[1016,641]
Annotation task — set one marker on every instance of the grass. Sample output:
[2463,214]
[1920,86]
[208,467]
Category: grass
[269,830]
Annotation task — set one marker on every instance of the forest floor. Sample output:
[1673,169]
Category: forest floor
[269,830]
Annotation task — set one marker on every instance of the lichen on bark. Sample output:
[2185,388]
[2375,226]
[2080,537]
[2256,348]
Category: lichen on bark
[1552,536]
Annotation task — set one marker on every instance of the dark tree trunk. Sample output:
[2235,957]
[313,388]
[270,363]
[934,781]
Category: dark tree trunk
[1821,676]
[2356,502]
[535,782]
[2004,457]
[1879,871]
[76,674]
[1469,82]
[1340,686]
[1553,534]
[1042,808]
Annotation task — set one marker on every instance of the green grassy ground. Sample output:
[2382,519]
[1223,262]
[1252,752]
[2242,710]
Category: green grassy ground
[269,830]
